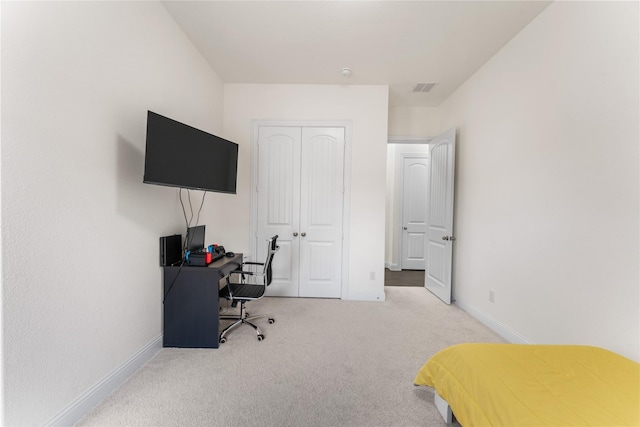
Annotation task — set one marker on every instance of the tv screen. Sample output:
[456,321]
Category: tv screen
[179,155]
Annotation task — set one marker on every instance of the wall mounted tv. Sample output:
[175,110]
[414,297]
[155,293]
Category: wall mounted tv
[179,155]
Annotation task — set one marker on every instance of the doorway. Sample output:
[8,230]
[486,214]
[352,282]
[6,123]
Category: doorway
[440,196]
[407,178]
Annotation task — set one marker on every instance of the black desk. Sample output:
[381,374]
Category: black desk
[191,306]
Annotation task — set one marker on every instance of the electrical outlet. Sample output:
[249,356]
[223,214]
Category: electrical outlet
[492,295]
[372,275]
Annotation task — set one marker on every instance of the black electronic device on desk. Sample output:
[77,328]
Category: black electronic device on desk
[217,251]
[197,259]
[195,238]
[195,253]
[170,250]
[204,257]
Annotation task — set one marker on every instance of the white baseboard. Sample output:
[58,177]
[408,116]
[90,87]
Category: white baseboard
[392,266]
[504,331]
[87,401]
[365,297]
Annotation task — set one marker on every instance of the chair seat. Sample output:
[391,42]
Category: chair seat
[241,291]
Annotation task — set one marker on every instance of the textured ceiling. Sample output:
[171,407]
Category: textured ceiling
[395,43]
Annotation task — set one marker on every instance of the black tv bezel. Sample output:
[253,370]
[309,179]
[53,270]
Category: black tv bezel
[190,187]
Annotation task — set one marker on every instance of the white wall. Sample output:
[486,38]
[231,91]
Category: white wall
[367,108]
[547,180]
[82,286]
[414,121]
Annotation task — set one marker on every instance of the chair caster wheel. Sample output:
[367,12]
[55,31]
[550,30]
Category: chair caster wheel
[272,320]
[223,340]
[260,337]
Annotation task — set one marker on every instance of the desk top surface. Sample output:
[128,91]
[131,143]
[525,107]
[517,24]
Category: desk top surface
[236,258]
[219,263]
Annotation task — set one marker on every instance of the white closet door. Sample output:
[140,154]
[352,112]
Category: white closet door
[300,195]
[278,210]
[321,210]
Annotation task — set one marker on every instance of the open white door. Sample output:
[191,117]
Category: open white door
[440,237]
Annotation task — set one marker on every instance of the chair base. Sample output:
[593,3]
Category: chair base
[243,318]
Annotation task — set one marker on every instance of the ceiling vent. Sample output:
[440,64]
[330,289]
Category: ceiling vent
[423,87]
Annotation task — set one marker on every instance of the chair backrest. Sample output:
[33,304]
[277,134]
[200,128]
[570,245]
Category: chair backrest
[272,248]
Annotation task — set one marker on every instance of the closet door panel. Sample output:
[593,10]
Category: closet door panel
[321,210]
[278,209]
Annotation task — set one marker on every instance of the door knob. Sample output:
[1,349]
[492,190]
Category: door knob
[404,228]
[445,237]
[295,234]
[303,234]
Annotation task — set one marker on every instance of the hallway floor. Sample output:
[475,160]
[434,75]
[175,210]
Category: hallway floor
[403,278]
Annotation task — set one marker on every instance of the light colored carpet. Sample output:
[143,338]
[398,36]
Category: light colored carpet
[323,363]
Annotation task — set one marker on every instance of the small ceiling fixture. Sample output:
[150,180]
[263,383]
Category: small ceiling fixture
[346,71]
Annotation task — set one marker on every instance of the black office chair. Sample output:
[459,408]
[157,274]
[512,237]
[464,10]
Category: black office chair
[248,283]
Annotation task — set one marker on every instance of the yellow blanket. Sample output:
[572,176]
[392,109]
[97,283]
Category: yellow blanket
[535,385]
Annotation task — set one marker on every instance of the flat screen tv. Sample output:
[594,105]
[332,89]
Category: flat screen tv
[179,155]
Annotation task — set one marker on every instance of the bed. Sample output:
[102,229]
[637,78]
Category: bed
[533,385]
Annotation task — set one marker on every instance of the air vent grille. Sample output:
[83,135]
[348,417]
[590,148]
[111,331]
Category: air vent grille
[423,87]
